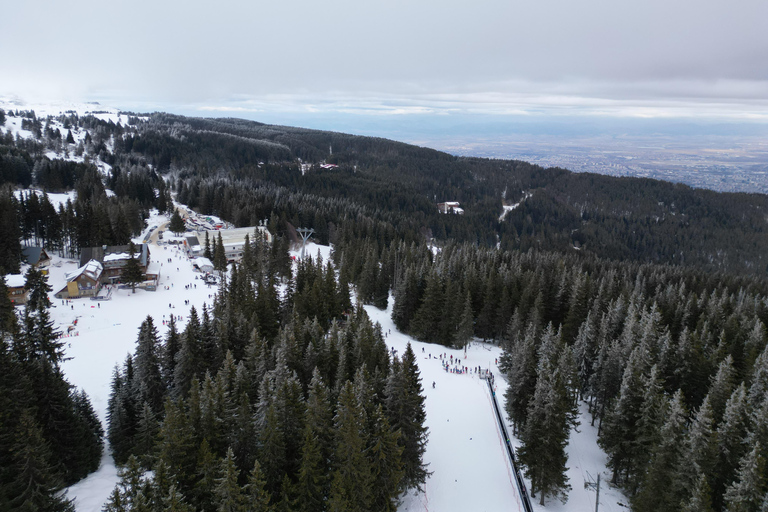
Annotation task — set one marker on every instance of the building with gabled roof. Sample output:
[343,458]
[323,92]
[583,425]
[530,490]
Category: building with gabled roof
[450,207]
[113,259]
[17,288]
[233,240]
[36,256]
[83,282]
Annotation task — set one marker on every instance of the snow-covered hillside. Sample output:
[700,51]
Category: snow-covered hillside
[50,117]
[470,470]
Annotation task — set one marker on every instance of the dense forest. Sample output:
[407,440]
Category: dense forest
[50,436]
[647,301]
[262,404]
[245,171]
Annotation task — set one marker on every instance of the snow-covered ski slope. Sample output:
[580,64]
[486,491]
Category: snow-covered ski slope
[470,470]
[465,452]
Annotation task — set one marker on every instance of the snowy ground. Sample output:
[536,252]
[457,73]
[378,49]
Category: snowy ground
[106,334]
[465,450]
[470,470]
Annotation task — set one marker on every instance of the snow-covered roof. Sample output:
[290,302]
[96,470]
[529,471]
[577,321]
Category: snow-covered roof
[92,269]
[202,262]
[117,256]
[153,268]
[15,280]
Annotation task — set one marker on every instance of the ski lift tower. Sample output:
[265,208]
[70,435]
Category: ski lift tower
[305,234]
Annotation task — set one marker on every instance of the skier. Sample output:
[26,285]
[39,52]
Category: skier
[433,384]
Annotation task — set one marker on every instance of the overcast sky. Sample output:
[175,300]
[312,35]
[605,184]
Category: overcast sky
[293,58]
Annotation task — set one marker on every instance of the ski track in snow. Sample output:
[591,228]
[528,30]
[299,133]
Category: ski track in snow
[470,470]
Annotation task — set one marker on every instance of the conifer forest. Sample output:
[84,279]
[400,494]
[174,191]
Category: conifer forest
[645,300]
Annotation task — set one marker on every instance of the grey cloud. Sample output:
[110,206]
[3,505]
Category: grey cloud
[351,54]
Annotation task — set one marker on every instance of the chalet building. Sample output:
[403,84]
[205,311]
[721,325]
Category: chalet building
[193,247]
[17,289]
[151,276]
[37,257]
[83,282]
[233,240]
[113,259]
[450,207]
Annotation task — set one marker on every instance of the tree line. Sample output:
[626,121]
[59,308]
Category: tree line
[670,363]
[50,436]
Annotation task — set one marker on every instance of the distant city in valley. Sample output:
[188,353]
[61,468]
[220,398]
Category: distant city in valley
[722,163]
[727,157]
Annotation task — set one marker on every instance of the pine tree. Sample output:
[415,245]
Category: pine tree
[521,361]
[405,411]
[658,490]
[407,298]
[219,255]
[35,485]
[747,492]
[257,498]
[147,367]
[132,273]
[311,484]
[170,348]
[352,479]
[701,499]
[465,330]
[428,319]
[731,434]
[228,493]
[177,223]
[552,410]
[384,453]
[208,252]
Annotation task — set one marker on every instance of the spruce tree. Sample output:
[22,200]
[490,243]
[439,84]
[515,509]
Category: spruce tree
[428,319]
[170,348]
[147,367]
[465,330]
[701,498]
[351,479]
[229,497]
[131,273]
[730,435]
[189,362]
[406,414]
[35,485]
[177,223]
[746,493]
[208,251]
[619,438]
[659,487]
[219,255]
[407,298]
[387,470]
[700,453]
[257,498]
[552,410]
[311,485]
[521,361]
